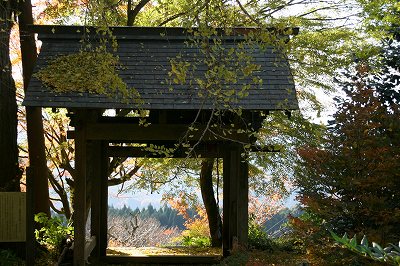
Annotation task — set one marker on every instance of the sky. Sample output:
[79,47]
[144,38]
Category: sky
[140,199]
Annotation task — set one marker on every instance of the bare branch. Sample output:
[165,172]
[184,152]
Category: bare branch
[55,209]
[126,177]
[247,13]
[171,18]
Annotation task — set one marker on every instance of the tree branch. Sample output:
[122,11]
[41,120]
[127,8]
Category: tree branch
[132,14]
[247,13]
[126,177]
[171,18]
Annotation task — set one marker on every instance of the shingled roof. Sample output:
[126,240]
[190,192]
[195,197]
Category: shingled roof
[146,54]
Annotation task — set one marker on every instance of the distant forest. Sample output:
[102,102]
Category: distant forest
[167,216]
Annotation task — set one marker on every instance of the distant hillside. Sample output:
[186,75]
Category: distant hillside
[275,226]
[168,217]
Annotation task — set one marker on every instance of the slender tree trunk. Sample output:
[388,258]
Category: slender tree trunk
[207,193]
[9,167]
[37,155]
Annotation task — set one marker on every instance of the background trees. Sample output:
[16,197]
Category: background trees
[9,168]
[350,182]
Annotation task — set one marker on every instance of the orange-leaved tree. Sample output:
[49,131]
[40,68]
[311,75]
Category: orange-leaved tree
[351,183]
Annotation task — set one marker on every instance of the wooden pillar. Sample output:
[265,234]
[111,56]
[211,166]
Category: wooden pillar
[235,199]
[99,196]
[243,202]
[103,233]
[80,189]
[30,221]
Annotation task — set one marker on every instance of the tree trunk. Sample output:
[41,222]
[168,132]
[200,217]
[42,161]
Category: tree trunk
[9,167]
[212,209]
[34,122]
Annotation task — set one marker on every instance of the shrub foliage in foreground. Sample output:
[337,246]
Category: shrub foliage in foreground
[389,254]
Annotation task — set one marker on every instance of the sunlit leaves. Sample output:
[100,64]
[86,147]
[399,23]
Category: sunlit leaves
[380,15]
[93,72]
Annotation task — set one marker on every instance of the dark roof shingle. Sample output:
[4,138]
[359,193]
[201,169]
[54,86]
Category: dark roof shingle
[145,55]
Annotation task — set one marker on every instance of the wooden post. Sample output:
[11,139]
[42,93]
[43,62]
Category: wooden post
[243,199]
[235,199]
[80,189]
[93,172]
[227,202]
[99,176]
[30,222]
[103,230]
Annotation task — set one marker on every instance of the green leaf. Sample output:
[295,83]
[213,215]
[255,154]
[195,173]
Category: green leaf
[364,241]
[377,247]
[353,241]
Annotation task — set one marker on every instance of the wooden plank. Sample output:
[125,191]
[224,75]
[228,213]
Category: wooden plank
[80,192]
[13,217]
[135,132]
[154,132]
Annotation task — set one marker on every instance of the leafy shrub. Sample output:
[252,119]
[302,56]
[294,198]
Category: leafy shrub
[193,241]
[8,258]
[289,243]
[197,233]
[53,232]
[258,238]
[390,254]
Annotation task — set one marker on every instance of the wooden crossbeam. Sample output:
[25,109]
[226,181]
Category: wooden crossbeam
[158,132]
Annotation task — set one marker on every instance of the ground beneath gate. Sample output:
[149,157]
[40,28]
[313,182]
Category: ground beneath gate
[253,258]
[160,251]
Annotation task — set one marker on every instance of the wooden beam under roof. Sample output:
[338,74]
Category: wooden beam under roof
[156,132]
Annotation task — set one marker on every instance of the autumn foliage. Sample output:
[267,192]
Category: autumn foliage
[351,183]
